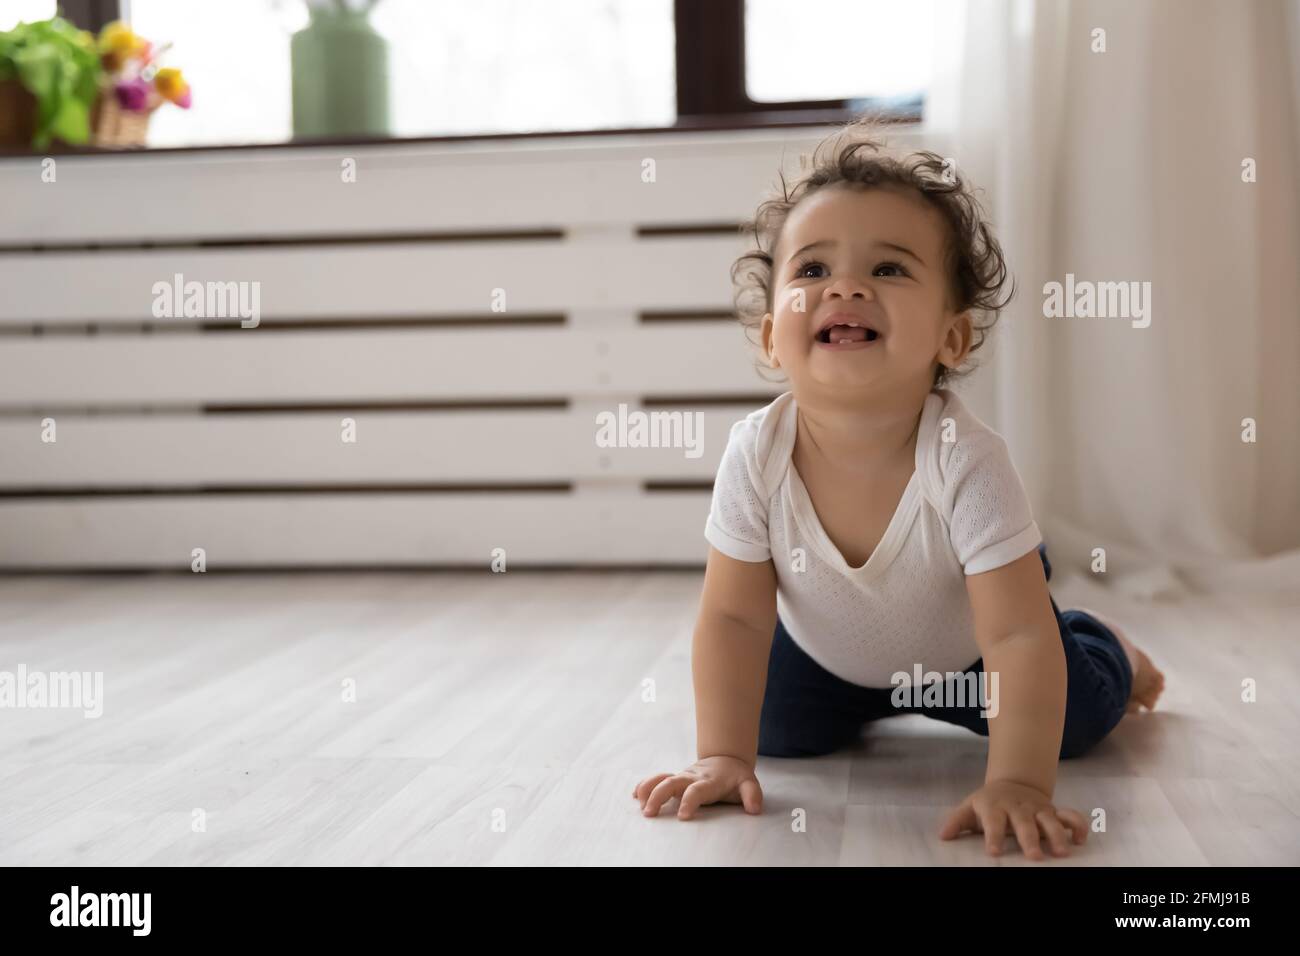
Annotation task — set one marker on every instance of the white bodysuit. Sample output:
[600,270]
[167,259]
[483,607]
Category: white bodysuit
[964,511]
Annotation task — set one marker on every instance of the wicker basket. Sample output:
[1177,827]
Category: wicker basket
[111,127]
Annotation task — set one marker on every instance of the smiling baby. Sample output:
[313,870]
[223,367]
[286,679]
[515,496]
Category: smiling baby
[867,528]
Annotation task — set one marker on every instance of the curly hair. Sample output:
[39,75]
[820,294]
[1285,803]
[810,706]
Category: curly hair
[857,155]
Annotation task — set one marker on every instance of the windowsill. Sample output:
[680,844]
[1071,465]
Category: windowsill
[758,120]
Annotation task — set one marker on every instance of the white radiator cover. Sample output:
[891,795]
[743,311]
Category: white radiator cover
[172,435]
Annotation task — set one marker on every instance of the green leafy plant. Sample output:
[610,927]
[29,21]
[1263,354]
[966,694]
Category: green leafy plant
[60,66]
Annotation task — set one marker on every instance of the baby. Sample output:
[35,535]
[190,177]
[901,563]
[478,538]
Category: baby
[866,528]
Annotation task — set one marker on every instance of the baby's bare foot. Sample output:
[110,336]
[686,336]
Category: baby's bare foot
[1148,680]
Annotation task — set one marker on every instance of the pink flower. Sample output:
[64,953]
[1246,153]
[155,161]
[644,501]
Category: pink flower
[133,95]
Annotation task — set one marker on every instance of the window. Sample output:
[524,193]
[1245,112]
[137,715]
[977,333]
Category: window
[829,49]
[524,66]
[14,12]
[492,66]
[235,56]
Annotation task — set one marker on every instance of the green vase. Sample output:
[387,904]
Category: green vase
[340,76]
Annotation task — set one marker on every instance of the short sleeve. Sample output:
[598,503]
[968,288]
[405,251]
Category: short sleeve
[991,522]
[737,523]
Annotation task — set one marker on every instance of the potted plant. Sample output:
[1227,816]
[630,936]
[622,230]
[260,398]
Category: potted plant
[59,83]
[49,81]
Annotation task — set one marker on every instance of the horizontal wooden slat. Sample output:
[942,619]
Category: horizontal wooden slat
[353,530]
[108,451]
[426,278]
[251,366]
[536,183]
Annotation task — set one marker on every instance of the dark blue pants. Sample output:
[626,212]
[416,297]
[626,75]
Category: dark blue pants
[808,711]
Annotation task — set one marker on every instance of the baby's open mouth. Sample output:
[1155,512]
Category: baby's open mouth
[835,334]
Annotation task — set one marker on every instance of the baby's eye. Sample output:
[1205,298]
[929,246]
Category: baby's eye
[801,271]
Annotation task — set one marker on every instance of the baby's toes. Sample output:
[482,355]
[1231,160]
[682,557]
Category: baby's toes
[1148,682]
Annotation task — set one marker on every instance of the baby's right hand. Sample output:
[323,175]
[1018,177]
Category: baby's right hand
[720,779]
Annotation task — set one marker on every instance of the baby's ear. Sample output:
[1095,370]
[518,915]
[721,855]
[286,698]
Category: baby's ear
[957,341]
[769,342]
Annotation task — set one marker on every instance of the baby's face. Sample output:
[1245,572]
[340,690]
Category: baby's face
[874,257]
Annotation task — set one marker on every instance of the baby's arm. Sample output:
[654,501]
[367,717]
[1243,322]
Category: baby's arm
[733,638]
[1017,634]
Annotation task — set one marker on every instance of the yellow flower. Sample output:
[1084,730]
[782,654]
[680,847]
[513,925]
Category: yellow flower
[170,83]
[120,41]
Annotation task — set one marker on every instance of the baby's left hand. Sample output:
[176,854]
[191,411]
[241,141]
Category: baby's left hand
[1030,812]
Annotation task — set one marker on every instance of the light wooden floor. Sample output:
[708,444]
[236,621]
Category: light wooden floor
[499,720]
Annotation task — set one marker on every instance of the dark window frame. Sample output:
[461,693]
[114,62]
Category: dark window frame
[91,15]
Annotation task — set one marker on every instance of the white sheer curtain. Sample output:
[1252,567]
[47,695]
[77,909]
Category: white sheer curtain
[1126,165]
